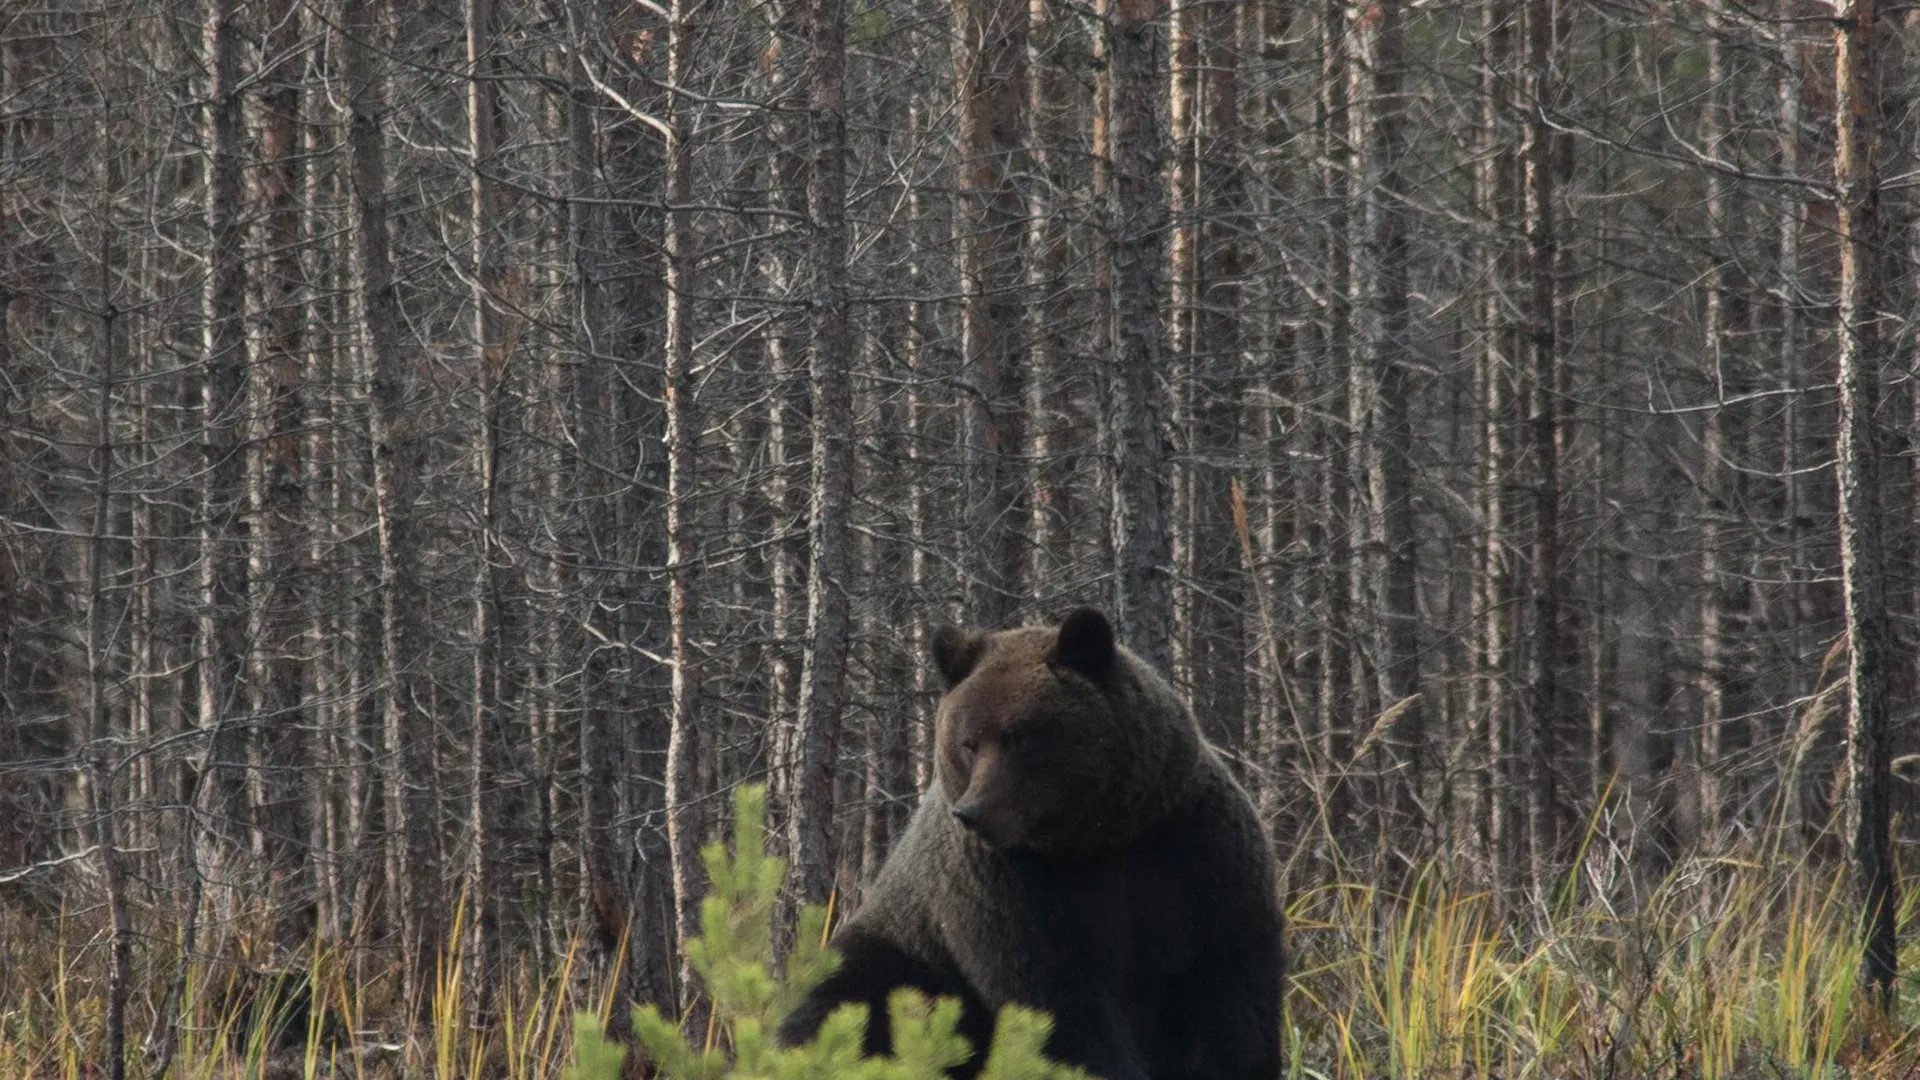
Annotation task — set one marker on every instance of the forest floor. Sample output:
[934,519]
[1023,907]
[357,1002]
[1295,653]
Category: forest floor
[1726,969]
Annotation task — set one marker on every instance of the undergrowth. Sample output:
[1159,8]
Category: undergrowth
[734,958]
[1729,968]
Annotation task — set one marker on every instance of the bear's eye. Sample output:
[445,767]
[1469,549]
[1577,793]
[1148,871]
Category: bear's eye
[971,744]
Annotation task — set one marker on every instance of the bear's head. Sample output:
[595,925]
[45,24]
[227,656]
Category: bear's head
[1059,741]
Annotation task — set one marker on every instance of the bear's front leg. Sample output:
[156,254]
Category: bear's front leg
[1094,1033]
[1057,942]
[871,968]
[1222,1017]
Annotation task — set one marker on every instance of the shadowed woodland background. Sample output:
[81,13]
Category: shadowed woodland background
[444,448]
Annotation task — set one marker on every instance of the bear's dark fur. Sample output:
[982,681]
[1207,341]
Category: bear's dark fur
[1082,851]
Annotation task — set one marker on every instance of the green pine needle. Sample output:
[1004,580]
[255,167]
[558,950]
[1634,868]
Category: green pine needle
[734,957]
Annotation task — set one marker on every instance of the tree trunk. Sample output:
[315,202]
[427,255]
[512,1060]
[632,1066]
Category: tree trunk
[787,410]
[1713,567]
[1546,654]
[407,730]
[684,820]
[1135,398]
[1100,269]
[1792,204]
[888,789]
[1332,512]
[920,575]
[97,787]
[1858,471]
[281,793]
[493,661]
[1498,820]
[990,78]
[223,569]
[1387,452]
[1182,174]
[1053,101]
[221,622]
[1217,647]
[619,887]
[829,361]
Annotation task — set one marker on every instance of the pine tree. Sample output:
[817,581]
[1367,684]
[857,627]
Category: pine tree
[734,957]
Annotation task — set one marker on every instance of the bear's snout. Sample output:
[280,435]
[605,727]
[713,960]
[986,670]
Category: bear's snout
[990,828]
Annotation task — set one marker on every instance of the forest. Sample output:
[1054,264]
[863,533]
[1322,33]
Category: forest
[448,448]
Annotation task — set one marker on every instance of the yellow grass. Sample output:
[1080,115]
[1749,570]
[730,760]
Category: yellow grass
[1727,969]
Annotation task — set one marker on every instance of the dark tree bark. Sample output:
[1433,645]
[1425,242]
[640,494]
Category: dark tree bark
[1712,681]
[1546,652]
[407,730]
[280,786]
[1217,649]
[829,358]
[990,78]
[1135,406]
[621,413]
[223,529]
[1055,100]
[1788,123]
[213,796]
[1858,85]
[97,786]
[1387,451]
[1329,509]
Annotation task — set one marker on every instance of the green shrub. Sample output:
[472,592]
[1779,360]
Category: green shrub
[734,958]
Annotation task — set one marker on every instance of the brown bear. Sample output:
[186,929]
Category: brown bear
[1082,851]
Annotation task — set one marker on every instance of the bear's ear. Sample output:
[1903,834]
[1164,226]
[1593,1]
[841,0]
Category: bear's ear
[955,651]
[1086,642]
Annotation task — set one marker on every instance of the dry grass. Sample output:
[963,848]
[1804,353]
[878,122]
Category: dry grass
[1727,969]
[329,1015]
